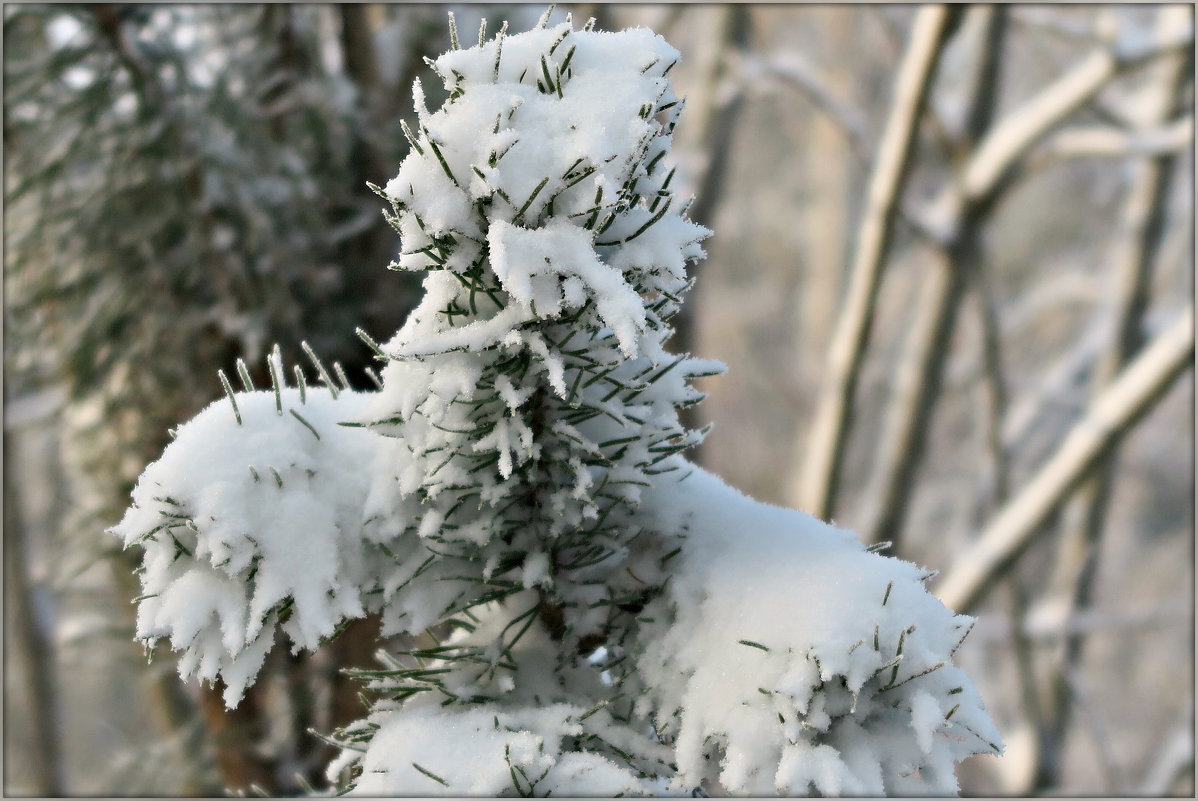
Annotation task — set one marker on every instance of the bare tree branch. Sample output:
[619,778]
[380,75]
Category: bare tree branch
[1024,653]
[918,377]
[1097,729]
[994,398]
[916,388]
[1174,758]
[1108,141]
[1135,393]
[1134,255]
[791,69]
[825,450]
[957,214]
[1042,628]
[1060,389]
[1026,125]
[1046,19]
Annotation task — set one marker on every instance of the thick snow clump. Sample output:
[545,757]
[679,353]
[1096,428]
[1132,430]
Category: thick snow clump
[796,660]
[249,525]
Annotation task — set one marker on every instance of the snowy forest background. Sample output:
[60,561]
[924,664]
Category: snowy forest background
[185,185]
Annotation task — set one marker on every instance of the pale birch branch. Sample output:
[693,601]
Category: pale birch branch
[825,450]
[1059,395]
[1141,232]
[916,388]
[1029,123]
[788,69]
[1060,389]
[919,374]
[1174,759]
[994,399]
[1134,256]
[1043,628]
[1107,141]
[1135,393]
[957,215]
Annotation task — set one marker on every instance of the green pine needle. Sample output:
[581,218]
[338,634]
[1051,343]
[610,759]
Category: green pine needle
[308,425]
[301,383]
[244,372]
[320,369]
[224,382]
[520,214]
[276,381]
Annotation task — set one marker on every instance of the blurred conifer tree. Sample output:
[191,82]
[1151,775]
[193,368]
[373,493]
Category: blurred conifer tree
[185,185]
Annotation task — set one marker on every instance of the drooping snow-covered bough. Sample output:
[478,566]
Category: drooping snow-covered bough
[595,615]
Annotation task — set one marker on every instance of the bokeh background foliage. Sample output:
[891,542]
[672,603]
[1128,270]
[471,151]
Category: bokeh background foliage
[951,275]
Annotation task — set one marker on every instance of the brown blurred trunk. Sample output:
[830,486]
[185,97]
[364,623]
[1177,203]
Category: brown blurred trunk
[361,65]
[310,694]
[33,646]
[171,708]
[383,99]
[234,734]
[355,647]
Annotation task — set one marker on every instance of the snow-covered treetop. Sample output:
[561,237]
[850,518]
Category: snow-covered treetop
[541,185]
[586,612]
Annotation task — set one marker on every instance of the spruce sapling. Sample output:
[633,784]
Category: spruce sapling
[586,612]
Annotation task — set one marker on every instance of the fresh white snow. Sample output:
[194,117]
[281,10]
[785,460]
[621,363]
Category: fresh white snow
[238,519]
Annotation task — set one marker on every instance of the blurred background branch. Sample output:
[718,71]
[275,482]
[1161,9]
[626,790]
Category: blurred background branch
[1119,407]
[952,278]
[825,452]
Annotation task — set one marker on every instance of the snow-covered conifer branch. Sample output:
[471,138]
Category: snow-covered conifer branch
[250,523]
[583,610]
[529,394]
